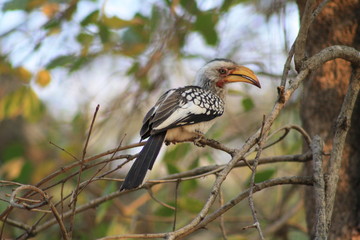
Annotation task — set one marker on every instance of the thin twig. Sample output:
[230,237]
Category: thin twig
[221,210]
[302,180]
[100,169]
[176,203]
[287,129]
[76,190]
[33,206]
[64,150]
[222,225]
[158,201]
[261,140]
[284,219]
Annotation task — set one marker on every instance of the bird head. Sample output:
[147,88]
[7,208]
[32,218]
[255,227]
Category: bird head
[218,72]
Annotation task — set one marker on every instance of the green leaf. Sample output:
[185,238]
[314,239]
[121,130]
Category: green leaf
[195,163]
[164,211]
[177,152]
[78,63]
[247,104]
[210,158]
[187,186]
[84,38]
[118,23]
[190,204]
[12,151]
[15,5]
[22,102]
[26,174]
[205,25]
[133,69]
[53,23]
[104,33]
[132,36]
[103,208]
[262,175]
[134,41]
[61,61]
[173,155]
[227,4]
[92,18]
[190,6]
[155,19]
[171,168]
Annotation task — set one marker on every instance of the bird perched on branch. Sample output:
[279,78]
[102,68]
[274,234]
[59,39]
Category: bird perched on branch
[186,113]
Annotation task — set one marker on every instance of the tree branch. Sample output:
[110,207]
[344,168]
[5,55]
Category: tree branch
[342,127]
[211,217]
[319,188]
[299,54]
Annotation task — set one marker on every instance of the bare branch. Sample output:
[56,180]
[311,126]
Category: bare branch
[194,172]
[258,187]
[330,53]
[319,188]
[46,201]
[76,190]
[211,217]
[252,180]
[300,46]
[342,126]
[300,43]
[222,225]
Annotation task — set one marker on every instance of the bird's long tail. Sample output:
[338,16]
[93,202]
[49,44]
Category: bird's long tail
[143,162]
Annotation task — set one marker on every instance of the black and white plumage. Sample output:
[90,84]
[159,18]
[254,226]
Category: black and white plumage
[185,114]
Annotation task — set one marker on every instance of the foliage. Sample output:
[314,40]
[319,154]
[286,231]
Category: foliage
[74,41]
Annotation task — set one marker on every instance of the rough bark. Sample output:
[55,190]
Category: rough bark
[323,94]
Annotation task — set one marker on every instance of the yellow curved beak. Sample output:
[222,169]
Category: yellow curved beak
[243,74]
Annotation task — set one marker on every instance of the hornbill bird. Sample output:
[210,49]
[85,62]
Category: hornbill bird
[186,113]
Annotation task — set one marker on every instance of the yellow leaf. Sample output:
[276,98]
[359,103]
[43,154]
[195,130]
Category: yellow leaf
[5,67]
[23,74]
[43,78]
[40,172]
[117,23]
[53,31]
[35,3]
[50,9]
[12,169]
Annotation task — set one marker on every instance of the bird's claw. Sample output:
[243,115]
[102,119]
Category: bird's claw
[167,143]
[198,139]
[197,142]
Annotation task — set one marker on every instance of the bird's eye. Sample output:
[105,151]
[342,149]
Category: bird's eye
[223,71]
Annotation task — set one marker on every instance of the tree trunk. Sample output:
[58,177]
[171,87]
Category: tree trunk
[323,94]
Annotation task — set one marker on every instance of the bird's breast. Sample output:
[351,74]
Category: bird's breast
[188,132]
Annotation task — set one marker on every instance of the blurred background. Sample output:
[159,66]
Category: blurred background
[59,59]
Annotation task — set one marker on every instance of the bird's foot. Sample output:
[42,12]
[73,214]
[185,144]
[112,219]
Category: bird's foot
[197,140]
[167,143]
